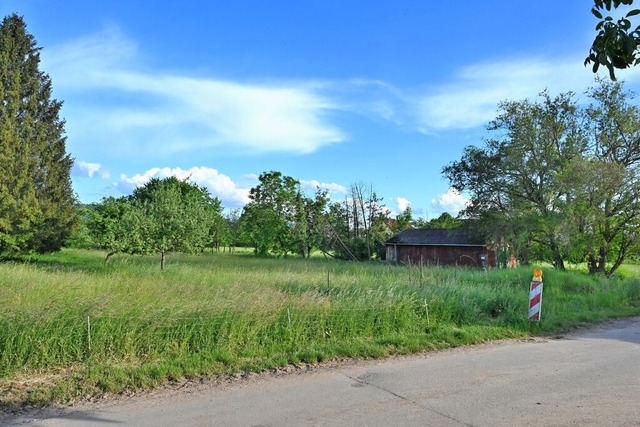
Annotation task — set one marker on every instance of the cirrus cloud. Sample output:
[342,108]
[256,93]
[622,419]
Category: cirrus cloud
[471,96]
[115,103]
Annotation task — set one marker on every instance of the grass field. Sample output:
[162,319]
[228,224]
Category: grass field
[71,326]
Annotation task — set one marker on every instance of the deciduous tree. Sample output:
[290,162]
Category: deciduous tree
[271,216]
[165,215]
[176,216]
[404,220]
[604,183]
[513,180]
[358,225]
[116,226]
[561,182]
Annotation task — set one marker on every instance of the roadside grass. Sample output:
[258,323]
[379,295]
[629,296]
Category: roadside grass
[72,326]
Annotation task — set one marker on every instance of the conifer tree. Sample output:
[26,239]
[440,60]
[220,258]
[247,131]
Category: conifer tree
[36,197]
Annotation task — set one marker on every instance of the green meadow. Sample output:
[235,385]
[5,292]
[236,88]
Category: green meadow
[72,326]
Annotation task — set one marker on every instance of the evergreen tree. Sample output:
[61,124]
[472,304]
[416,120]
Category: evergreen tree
[404,219]
[36,198]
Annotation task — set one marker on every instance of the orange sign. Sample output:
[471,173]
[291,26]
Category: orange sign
[537,275]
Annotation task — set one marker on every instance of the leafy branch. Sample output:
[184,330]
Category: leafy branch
[616,44]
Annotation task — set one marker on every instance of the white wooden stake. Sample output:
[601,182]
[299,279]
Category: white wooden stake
[89,332]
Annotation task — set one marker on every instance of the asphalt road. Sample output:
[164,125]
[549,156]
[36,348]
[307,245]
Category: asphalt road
[591,378]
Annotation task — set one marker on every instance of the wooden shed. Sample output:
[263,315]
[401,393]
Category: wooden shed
[438,246]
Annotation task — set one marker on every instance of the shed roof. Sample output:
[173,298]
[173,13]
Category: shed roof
[436,237]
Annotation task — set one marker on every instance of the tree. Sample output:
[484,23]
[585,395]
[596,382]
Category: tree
[176,216]
[37,204]
[603,185]
[514,181]
[315,222]
[616,44]
[445,220]
[219,229]
[561,182]
[115,225]
[404,219]
[81,236]
[233,224]
[274,209]
[337,232]
[165,215]
[281,219]
[358,225]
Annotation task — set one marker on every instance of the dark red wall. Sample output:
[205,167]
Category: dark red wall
[442,255]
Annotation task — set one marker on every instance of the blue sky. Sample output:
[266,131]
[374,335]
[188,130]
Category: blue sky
[329,92]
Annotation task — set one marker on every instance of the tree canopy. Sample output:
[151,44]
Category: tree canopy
[282,220]
[559,182]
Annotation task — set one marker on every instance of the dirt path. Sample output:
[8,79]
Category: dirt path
[588,378]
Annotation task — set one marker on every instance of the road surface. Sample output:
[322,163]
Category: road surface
[591,378]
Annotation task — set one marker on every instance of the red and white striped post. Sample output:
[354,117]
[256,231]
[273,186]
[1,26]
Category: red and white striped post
[535,296]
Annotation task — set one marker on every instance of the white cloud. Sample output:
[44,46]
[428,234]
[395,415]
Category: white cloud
[451,201]
[331,188]
[116,108]
[402,204]
[251,177]
[219,185]
[110,100]
[374,99]
[86,169]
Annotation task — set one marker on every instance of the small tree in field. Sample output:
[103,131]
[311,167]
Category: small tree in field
[115,226]
[165,215]
[176,216]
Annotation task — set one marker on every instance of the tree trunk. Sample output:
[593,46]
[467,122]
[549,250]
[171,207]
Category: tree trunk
[621,257]
[602,260]
[109,255]
[593,264]
[615,266]
[558,261]
[163,260]
[598,264]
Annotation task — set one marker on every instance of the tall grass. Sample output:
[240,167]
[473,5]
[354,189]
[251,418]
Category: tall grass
[72,325]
